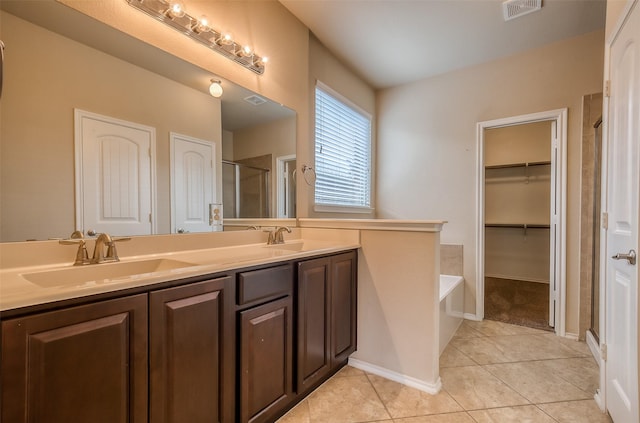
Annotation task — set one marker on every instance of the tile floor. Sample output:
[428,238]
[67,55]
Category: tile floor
[491,372]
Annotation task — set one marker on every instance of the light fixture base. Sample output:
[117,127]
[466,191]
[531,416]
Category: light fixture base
[187,25]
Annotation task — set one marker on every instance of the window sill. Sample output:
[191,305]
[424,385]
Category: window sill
[323,208]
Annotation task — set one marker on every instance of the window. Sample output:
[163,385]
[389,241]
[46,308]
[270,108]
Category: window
[342,153]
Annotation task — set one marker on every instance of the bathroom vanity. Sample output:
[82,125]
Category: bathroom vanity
[216,342]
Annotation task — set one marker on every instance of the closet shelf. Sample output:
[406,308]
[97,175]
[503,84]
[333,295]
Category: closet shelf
[517,225]
[525,164]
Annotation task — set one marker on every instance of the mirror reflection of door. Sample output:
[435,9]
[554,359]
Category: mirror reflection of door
[113,175]
[286,189]
[193,175]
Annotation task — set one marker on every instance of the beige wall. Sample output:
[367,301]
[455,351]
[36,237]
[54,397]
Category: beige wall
[398,304]
[614,11]
[526,143]
[427,140]
[277,138]
[44,82]
[325,67]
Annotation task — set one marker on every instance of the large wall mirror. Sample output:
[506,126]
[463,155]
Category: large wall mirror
[58,61]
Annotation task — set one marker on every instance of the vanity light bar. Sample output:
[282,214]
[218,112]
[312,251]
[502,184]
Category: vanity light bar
[199,30]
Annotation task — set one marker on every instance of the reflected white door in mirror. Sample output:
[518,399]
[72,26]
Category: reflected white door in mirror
[115,178]
[193,184]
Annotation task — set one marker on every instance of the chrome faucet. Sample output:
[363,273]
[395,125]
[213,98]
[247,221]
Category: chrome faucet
[105,240]
[276,237]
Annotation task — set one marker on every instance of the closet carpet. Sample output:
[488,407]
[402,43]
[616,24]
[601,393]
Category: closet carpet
[517,302]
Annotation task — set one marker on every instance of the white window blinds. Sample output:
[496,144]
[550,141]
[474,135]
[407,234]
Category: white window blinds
[342,153]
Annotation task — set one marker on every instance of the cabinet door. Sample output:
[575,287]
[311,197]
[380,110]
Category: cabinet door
[81,364]
[265,360]
[343,306]
[313,346]
[189,337]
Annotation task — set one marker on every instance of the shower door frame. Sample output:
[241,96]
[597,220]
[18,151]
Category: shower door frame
[558,233]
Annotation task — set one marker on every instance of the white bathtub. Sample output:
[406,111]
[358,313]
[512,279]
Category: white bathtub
[451,307]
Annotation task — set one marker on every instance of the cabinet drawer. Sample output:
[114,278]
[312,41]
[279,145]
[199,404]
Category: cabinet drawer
[264,284]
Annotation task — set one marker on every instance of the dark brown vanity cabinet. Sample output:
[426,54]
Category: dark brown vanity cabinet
[202,349]
[191,350]
[326,323]
[82,364]
[166,356]
[266,342]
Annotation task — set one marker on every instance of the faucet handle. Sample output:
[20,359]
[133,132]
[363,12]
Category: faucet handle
[272,238]
[82,256]
[112,253]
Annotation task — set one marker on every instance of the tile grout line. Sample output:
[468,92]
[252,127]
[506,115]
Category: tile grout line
[378,395]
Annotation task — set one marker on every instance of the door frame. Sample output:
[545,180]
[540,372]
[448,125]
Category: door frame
[78,115]
[559,190]
[601,394]
[281,187]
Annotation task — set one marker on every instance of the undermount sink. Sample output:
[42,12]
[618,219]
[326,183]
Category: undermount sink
[289,246]
[299,245]
[101,273]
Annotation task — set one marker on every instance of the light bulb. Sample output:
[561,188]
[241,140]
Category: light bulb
[246,51]
[260,61]
[176,9]
[202,25]
[215,89]
[226,39]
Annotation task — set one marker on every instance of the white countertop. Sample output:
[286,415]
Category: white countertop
[28,286]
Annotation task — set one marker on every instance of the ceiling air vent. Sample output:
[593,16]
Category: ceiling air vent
[515,8]
[256,100]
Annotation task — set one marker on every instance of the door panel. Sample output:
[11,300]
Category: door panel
[82,364]
[187,379]
[115,176]
[193,183]
[623,184]
[266,370]
[314,348]
[343,306]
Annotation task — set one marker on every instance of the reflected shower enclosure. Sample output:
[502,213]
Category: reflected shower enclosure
[246,190]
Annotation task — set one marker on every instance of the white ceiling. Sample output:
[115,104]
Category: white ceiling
[393,42]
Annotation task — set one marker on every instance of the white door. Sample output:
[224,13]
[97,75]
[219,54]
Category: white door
[192,184]
[623,160]
[114,189]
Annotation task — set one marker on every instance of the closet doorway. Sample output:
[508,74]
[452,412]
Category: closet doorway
[521,235]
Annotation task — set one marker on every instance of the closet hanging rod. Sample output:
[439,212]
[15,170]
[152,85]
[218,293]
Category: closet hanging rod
[516,225]
[524,164]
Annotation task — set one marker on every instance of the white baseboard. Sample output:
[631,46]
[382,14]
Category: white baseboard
[430,388]
[594,347]
[471,316]
[516,278]
[599,400]
[572,336]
